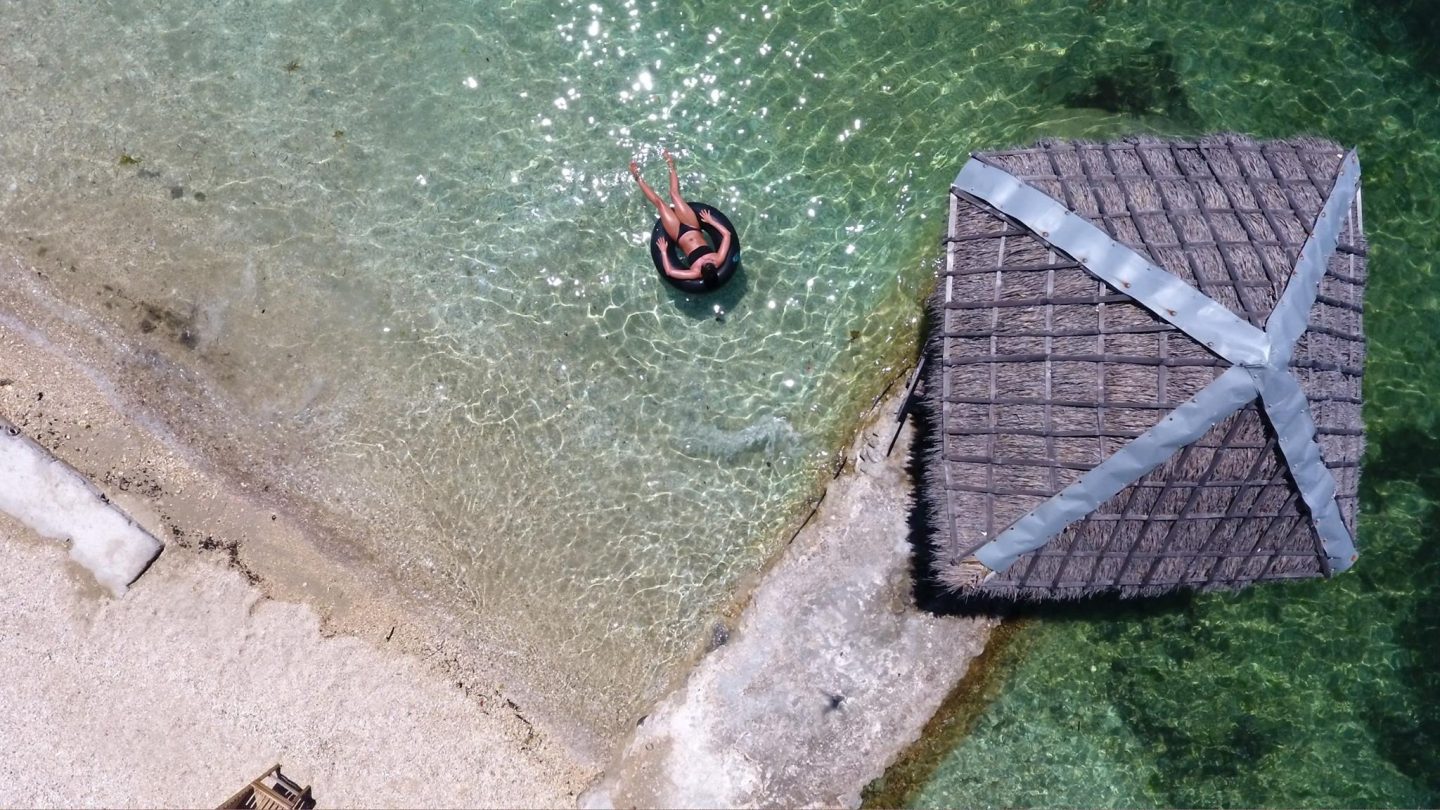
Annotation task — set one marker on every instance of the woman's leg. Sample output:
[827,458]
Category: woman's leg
[667,216]
[682,208]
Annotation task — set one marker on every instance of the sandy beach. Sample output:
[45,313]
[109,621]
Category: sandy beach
[190,685]
[241,646]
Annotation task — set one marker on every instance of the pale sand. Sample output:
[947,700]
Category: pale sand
[215,664]
[180,692]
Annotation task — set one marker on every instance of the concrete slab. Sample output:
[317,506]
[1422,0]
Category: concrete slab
[53,500]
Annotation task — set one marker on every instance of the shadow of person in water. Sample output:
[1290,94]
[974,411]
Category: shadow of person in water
[712,305]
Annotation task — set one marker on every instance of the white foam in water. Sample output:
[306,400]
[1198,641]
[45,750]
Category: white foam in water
[55,501]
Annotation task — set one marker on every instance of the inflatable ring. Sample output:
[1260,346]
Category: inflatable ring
[713,280]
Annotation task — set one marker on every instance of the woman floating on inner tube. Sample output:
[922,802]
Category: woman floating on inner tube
[693,245]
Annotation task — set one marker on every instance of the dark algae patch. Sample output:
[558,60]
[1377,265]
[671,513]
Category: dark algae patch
[179,327]
[1405,480]
[1410,29]
[1322,694]
[1119,77]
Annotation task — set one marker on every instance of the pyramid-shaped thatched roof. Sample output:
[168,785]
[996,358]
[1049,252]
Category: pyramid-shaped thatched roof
[1146,367]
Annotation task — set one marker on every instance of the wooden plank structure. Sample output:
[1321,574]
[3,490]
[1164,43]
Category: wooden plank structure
[271,790]
[1051,380]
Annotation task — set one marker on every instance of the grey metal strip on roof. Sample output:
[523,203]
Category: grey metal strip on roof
[1188,422]
[1289,411]
[1171,299]
[1265,356]
[1292,313]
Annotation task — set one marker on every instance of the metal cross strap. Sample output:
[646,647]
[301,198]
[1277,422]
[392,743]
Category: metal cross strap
[1262,360]
[1172,300]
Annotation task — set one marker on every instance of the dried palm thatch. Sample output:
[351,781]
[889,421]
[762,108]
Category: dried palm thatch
[1048,386]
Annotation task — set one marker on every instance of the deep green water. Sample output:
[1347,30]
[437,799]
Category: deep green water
[1324,694]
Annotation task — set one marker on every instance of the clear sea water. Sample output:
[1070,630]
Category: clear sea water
[1325,694]
[385,259]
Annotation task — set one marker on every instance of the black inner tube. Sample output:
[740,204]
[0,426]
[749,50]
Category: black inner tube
[712,280]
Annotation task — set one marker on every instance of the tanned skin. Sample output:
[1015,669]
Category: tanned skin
[672,214]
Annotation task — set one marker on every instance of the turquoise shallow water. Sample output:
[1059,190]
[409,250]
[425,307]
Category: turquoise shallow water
[1318,695]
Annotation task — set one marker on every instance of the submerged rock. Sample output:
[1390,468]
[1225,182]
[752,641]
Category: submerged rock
[768,435]
[1134,78]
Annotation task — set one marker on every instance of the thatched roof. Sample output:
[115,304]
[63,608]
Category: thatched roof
[1039,372]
